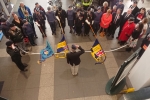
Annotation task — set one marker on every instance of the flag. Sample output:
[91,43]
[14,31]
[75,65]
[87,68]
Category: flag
[1,35]
[97,52]
[62,46]
[47,52]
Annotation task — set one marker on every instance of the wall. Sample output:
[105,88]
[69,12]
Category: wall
[139,75]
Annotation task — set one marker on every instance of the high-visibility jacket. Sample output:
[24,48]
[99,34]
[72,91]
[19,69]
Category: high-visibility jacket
[86,3]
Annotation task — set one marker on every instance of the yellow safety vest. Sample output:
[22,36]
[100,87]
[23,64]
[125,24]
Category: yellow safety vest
[86,3]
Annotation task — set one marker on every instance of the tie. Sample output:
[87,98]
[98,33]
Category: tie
[115,19]
[126,15]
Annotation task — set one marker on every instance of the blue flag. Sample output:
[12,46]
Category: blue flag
[1,35]
[47,52]
[62,46]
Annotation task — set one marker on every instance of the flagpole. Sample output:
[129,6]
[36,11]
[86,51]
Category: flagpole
[60,24]
[99,43]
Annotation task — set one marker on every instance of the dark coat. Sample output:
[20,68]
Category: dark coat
[73,58]
[41,9]
[136,34]
[16,36]
[62,16]
[124,18]
[27,29]
[5,29]
[21,15]
[90,17]
[135,10]
[145,42]
[39,18]
[14,53]
[118,21]
[104,10]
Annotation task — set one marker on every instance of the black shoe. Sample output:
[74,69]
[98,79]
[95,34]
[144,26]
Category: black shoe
[33,44]
[23,53]
[36,37]
[112,36]
[25,70]
[117,37]
[138,57]
[25,64]
[108,34]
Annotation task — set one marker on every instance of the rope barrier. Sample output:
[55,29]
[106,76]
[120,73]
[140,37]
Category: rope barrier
[85,50]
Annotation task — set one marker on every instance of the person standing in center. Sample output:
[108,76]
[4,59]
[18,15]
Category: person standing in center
[51,20]
[73,58]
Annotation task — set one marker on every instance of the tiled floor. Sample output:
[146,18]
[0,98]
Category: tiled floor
[52,80]
[90,81]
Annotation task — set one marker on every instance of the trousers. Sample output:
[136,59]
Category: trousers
[53,27]
[19,64]
[74,69]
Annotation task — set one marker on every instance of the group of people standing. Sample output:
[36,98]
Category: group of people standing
[132,24]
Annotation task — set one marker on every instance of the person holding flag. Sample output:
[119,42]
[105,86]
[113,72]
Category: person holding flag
[73,58]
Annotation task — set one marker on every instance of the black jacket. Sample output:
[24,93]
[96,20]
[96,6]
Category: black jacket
[14,53]
[5,29]
[136,34]
[118,21]
[73,58]
[16,36]
[27,29]
[124,18]
[145,42]
[135,10]
[90,17]
[39,18]
[62,16]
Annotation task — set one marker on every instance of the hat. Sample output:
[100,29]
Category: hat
[135,2]
[73,47]
[36,3]
[69,6]
[131,19]
[120,0]
[3,20]
[59,8]
[24,20]
[11,25]
[9,43]
[99,8]
[48,8]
